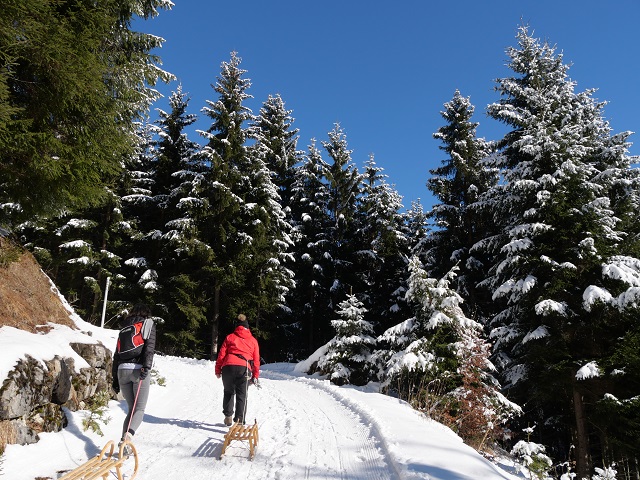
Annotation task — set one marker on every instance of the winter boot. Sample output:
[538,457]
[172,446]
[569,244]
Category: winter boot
[127,449]
[227,421]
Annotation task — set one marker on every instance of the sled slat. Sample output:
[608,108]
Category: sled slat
[244,433]
[102,464]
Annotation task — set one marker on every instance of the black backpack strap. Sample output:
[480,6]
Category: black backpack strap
[242,357]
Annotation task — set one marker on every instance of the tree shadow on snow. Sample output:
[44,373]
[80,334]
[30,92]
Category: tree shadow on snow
[442,473]
[77,430]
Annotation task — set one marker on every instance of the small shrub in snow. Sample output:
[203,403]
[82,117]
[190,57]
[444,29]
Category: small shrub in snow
[96,412]
[607,473]
[532,460]
[158,379]
[346,359]
[438,361]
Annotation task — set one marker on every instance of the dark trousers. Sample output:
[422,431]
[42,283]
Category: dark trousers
[234,380]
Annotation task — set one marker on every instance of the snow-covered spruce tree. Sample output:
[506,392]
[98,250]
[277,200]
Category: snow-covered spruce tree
[531,459]
[384,249]
[457,184]
[277,144]
[220,219]
[241,223]
[438,360]
[564,274]
[175,163]
[267,279]
[310,216]
[416,230]
[324,214]
[276,155]
[344,188]
[347,357]
[139,209]
[80,248]
[68,137]
[170,239]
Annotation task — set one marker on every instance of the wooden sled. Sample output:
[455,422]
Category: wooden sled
[247,433]
[102,464]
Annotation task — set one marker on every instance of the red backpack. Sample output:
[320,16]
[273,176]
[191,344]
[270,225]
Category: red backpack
[132,337]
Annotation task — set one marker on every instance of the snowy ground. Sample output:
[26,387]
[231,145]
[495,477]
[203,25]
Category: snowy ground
[309,429]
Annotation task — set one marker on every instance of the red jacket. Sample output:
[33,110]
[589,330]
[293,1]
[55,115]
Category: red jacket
[240,342]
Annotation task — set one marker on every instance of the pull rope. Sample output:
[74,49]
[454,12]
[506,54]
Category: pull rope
[246,394]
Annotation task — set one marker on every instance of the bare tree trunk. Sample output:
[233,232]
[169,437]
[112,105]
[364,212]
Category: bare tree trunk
[310,320]
[582,436]
[215,322]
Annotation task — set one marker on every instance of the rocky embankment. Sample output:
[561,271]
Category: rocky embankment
[36,391]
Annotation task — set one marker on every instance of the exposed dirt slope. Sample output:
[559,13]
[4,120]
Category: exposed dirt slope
[27,300]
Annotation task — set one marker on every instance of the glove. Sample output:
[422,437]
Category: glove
[116,387]
[254,381]
[143,373]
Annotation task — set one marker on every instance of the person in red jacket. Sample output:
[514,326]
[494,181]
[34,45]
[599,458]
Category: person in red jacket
[238,364]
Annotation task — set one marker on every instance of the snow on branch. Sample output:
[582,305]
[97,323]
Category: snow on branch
[625,269]
[536,334]
[590,370]
[594,294]
[548,307]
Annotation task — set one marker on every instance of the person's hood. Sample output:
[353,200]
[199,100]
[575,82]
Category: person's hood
[242,332]
[130,320]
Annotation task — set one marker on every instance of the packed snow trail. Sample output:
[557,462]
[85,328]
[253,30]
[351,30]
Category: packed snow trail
[342,446]
[188,436]
[308,429]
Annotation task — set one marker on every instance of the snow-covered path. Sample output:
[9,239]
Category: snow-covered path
[308,428]
[305,433]
[342,445]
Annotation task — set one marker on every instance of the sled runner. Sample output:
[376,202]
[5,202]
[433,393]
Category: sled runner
[238,431]
[102,464]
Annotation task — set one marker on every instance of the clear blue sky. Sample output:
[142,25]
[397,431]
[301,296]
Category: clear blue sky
[383,70]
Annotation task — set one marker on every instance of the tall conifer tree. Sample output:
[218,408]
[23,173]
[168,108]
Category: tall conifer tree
[276,153]
[74,84]
[457,184]
[560,252]
[170,238]
[310,215]
[223,187]
[344,188]
[383,248]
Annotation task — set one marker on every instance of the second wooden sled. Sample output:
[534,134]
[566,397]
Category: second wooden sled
[240,432]
[102,464]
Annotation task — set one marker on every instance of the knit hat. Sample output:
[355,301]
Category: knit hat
[242,320]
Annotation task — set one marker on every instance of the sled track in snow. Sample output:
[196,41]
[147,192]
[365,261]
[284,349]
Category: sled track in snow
[357,449]
[307,430]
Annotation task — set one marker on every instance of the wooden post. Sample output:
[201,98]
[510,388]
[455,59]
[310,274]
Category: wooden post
[215,322]
[104,305]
